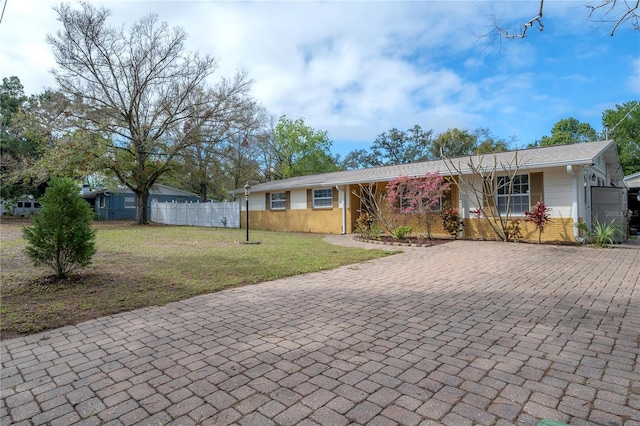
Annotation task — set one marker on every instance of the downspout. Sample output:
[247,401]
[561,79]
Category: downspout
[574,206]
[344,208]
[462,214]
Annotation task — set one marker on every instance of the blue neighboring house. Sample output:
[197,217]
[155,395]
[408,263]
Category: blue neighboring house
[120,204]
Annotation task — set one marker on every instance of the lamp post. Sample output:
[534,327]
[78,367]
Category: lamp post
[247,191]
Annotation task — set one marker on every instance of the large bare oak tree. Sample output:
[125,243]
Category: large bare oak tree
[139,92]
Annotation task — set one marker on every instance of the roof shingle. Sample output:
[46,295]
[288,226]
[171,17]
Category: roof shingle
[574,154]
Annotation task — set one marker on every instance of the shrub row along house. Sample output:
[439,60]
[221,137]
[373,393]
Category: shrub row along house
[580,183]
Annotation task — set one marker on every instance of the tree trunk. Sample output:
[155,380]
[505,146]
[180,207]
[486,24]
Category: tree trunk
[203,192]
[142,214]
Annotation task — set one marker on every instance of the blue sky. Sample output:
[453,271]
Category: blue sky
[359,68]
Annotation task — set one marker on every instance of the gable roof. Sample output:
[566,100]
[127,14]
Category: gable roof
[157,189]
[533,158]
[632,181]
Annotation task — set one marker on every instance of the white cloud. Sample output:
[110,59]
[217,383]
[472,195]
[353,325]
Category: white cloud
[357,69]
[342,65]
[23,51]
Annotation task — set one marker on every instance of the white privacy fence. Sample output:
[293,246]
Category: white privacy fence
[218,215]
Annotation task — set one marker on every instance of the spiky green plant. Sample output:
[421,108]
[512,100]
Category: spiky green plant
[601,234]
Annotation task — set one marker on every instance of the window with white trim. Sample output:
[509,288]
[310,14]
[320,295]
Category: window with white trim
[278,200]
[438,206]
[129,202]
[101,202]
[519,194]
[322,198]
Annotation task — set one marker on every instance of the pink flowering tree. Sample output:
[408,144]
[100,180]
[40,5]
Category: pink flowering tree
[418,197]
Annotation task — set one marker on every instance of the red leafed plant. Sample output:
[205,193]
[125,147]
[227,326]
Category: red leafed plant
[539,215]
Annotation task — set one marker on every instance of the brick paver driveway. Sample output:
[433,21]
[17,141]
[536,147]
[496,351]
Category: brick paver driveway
[459,334]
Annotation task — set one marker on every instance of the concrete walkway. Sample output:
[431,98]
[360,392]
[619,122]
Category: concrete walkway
[462,333]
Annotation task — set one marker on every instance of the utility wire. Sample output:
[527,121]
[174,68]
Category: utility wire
[626,115]
[3,8]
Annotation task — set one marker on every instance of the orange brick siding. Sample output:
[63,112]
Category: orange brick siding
[321,221]
[437,229]
[558,230]
[329,221]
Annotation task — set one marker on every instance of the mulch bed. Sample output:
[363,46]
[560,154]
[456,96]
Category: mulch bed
[406,242]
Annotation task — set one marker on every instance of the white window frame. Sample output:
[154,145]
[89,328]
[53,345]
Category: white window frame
[321,200]
[101,203]
[519,193]
[437,207]
[129,202]
[278,201]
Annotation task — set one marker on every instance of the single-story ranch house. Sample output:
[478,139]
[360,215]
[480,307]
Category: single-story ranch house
[578,182]
[120,203]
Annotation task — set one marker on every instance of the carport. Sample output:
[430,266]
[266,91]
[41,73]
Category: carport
[632,182]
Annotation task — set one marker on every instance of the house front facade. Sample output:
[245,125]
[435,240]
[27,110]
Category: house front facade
[563,177]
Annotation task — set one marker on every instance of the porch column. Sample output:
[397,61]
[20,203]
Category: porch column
[344,207]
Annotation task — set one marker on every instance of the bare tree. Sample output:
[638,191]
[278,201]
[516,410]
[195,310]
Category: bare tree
[138,92]
[241,148]
[616,12]
[536,21]
[372,203]
[221,155]
[266,155]
[611,12]
[478,179]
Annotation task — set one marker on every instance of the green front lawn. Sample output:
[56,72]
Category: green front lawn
[138,266]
